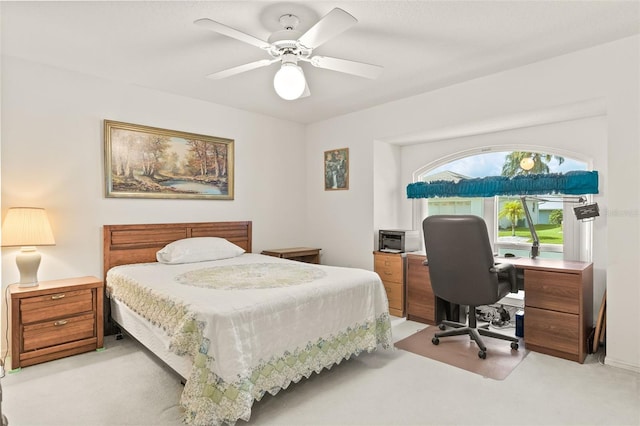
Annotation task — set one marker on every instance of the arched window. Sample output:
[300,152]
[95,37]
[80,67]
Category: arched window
[505,216]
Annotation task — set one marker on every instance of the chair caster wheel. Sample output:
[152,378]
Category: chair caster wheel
[435,341]
[514,346]
[482,354]
[442,327]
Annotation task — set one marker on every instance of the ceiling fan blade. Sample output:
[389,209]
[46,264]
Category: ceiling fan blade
[349,67]
[231,32]
[332,24]
[241,68]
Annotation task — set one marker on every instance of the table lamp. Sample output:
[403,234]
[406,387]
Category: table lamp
[27,227]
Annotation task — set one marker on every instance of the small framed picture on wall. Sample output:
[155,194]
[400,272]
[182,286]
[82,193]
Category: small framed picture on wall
[336,169]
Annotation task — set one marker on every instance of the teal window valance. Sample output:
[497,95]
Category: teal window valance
[570,183]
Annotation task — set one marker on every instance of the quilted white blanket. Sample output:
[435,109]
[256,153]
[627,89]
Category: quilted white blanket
[254,324]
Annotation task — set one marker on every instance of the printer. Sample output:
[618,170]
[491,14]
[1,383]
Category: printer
[398,240]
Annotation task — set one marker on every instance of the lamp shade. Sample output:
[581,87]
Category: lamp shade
[26,226]
[289,81]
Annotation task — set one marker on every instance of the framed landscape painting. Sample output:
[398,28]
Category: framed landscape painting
[336,169]
[148,162]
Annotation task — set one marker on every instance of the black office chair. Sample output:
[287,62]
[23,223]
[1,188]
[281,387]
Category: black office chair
[463,272]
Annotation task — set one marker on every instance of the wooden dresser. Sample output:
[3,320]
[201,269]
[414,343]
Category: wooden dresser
[390,268]
[55,319]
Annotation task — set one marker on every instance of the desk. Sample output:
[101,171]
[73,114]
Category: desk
[558,302]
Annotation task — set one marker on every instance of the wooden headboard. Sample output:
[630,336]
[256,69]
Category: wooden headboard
[124,244]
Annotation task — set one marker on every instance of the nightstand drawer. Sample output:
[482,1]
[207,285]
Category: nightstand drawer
[55,332]
[55,305]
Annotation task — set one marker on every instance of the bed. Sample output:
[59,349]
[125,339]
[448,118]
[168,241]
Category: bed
[239,326]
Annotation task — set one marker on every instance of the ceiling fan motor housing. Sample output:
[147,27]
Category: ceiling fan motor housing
[289,58]
[289,21]
[285,41]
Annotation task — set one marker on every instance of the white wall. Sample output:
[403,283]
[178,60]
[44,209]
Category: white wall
[387,160]
[607,74]
[52,157]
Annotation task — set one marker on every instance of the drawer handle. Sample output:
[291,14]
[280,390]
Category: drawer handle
[57,296]
[59,323]
[388,273]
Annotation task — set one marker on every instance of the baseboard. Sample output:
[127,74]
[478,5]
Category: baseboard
[622,365]
[396,320]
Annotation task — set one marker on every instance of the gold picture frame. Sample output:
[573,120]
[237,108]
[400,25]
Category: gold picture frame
[336,169]
[149,162]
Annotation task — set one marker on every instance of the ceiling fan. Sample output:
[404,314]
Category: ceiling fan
[288,46]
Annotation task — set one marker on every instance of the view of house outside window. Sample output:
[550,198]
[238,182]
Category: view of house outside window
[506,215]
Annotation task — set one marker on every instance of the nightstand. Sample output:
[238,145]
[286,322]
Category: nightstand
[301,254]
[56,319]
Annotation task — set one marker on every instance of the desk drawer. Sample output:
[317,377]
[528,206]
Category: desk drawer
[552,330]
[389,268]
[552,290]
[394,294]
[421,311]
[420,297]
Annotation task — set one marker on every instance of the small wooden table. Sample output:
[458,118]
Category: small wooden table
[301,254]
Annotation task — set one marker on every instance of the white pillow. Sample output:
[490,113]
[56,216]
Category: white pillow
[198,249]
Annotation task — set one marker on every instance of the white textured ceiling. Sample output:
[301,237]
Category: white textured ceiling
[422,45]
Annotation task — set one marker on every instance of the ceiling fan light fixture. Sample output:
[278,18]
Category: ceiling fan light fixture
[289,81]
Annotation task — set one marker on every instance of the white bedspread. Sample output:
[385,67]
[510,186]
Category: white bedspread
[254,324]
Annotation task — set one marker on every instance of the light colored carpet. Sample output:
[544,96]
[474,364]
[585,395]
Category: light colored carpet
[462,352]
[125,385]
[121,385]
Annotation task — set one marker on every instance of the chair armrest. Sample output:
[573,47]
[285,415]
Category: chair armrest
[502,267]
[507,270]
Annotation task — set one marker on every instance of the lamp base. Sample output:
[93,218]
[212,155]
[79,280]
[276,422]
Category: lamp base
[28,261]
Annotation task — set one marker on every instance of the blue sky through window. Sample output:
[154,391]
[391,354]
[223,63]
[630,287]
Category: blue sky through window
[490,164]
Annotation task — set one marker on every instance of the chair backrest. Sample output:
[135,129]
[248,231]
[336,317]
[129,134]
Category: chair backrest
[460,257]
